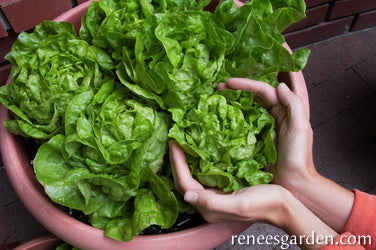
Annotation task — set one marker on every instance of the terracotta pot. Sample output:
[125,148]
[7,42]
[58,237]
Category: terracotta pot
[74,232]
[42,243]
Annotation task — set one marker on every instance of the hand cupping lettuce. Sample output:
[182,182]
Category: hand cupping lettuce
[105,103]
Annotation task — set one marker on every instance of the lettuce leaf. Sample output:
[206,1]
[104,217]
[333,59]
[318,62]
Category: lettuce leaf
[166,51]
[173,52]
[228,139]
[108,163]
[49,67]
[258,51]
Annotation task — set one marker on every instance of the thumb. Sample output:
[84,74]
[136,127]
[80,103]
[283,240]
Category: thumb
[216,206]
[210,199]
[191,196]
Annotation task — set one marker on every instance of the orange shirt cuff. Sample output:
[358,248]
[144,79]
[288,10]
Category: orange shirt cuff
[361,222]
[363,214]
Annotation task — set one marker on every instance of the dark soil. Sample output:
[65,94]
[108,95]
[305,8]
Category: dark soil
[184,221]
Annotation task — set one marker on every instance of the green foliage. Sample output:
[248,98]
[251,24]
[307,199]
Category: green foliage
[106,164]
[49,67]
[104,104]
[228,139]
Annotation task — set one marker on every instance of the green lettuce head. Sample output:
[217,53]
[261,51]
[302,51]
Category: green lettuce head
[170,52]
[49,67]
[167,51]
[109,162]
[227,138]
[178,60]
[112,24]
[258,52]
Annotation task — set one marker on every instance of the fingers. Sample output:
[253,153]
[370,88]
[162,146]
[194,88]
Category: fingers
[238,3]
[213,204]
[265,91]
[182,177]
[279,113]
[294,104]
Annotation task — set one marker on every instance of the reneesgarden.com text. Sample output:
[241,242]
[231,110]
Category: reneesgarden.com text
[285,241]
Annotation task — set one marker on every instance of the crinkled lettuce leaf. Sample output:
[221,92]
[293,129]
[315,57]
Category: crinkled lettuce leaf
[228,139]
[108,163]
[171,52]
[258,51]
[180,59]
[49,67]
[114,24]
[166,51]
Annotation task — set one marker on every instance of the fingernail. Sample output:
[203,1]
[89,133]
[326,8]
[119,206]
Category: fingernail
[283,87]
[191,196]
[221,86]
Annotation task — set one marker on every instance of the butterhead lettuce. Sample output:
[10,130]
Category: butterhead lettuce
[183,61]
[257,51]
[172,53]
[49,67]
[228,139]
[108,162]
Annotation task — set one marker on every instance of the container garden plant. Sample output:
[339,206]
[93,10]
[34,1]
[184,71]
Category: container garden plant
[81,235]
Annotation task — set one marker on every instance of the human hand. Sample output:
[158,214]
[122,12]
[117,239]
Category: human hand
[256,203]
[295,136]
[294,169]
[260,203]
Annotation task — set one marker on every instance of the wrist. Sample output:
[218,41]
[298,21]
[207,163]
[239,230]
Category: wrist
[325,198]
[298,179]
[283,210]
[289,208]
[297,220]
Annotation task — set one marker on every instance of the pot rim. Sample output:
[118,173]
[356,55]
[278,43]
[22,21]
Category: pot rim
[43,242]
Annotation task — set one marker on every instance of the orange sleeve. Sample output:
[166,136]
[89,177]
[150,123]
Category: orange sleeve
[360,226]
[362,220]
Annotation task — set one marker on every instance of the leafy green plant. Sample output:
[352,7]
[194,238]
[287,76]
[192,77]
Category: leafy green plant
[257,51]
[49,67]
[174,52]
[228,139]
[104,105]
[106,164]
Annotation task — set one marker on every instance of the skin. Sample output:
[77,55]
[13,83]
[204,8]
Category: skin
[295,169]
[299,201]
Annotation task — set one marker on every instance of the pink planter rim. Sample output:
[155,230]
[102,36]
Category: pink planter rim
[41,243]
